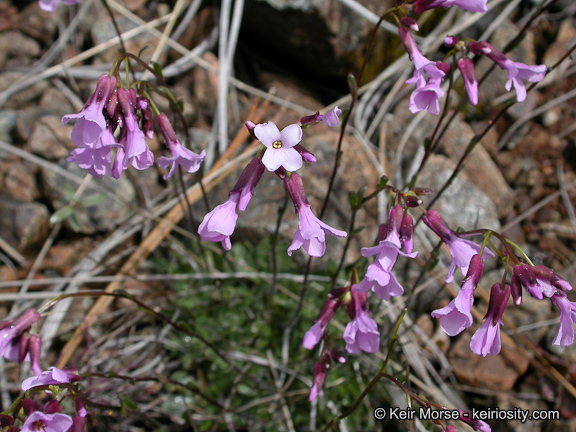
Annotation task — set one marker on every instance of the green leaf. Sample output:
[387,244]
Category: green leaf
[93,199]
[158,69]
[61,215]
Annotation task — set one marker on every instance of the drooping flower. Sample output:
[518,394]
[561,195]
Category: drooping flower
[361,333]
[478,6]
[407,233]
[427,76]
[53,376]
[379,277]
[279,146]
[96,159]
[516,71]
[136,151]
[540,281]
[466,67]
[331,118]
[477,425]
[311,232]
[11,333]
[91,121]
[313,336]
[41,422]
[486,340]
[51,5]
[219,224]
[181,156]
[565,335]
[456,316]
[319,375]
[461,250]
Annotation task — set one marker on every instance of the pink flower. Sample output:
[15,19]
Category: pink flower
[181,156]
[41,422]
[426,96]
[12,334]
[469,5]
[565,335]
[486,340]
[361,334]
[91,121]
[477,425]
[461,250]
[516,71]
[53,376]
[219,224]
[311,233]
[456,317]
[379,277]
[51,5]
[313,336]
[247,182]
[96,158]
[331,118]
[279,146]
[466,67]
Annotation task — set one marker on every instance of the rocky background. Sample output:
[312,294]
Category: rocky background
[521,178]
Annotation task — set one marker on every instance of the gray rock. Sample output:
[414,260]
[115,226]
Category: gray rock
[51,139]
[23,98]
[24,225]
[101,217]
[15,44]
[7,125]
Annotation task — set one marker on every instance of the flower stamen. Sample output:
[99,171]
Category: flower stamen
[277,144]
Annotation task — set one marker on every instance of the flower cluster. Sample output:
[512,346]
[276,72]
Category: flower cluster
[16,342]
[428,75]
[281,153]
[361,333]
[118,119]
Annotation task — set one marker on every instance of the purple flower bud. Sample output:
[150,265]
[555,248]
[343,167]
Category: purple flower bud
[486,340]
[337,357]
[413,201]
[35,348]
[250,125]
[545,274]
[247,182]
[516,291]
[450,41]
[52,407]
[527,279]
[466,67]
[78,424]
[410,23]
[331,118]
[406,233]
[318,377]
[477,425]
[306,155]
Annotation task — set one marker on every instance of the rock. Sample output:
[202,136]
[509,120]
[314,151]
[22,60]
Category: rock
[54,102]
[18,181]
[492,372]
[15,44]
[24,97]
[463,204]
[321,40]
[101,217]
[51,139]
[39,24]
[7,125]
[23,225]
